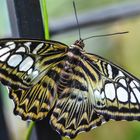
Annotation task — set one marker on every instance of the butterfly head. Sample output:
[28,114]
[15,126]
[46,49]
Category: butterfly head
[79,43]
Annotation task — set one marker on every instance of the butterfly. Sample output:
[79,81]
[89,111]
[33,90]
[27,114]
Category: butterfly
[83,90]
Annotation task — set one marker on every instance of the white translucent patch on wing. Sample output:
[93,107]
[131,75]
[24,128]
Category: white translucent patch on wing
[4,57]
[21,49]
[110,91]
[109,71]
[97,94]
[30,71]
[132,85]
[120,74]
[39,46]
[27,44]
[14,60]
[136,83]
[4,50]
[122,94]
[97,98]
[132,98]
[35,74]
[26,64]
[9,43]
[123,82]
[12,46]
[137,94]
[102,95]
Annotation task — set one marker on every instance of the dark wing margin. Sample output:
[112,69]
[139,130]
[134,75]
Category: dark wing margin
[119,97]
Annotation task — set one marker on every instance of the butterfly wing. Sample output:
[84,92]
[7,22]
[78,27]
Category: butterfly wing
[24,62]
[74,110]
[119,96]
[96,92]
[28,68]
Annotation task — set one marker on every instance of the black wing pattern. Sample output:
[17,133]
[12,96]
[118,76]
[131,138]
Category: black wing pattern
[25,67]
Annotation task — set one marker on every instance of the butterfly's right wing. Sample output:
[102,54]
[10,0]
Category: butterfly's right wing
[119,96]
[28,68]
[97,91]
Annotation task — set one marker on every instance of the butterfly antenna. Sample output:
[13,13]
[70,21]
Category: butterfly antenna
[106,35]
[75,12]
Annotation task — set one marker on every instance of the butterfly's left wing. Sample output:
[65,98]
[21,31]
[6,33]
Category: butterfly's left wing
[27,67]
[119,96]
[24,62]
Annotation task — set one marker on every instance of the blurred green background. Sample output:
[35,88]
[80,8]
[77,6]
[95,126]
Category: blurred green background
[123,50]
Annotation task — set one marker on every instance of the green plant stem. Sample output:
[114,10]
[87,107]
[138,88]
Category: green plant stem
[30,128]
[45,18]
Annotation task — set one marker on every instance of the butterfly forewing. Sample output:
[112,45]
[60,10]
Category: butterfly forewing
[119,96]
[24,62]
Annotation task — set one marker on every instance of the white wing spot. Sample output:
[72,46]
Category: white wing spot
[39,46]
[4,57]
[102,95]
[123,82]
[9,43]
[109,71]
[35,74]
[26,64]
[132,98]
[12,46]
[14,60]
[110,91]
[4,50]
[132,85]
[97,94]
[27,44]
[120,74]
[21,49]
[30,71]
[137,93]
[136,83]
[97,97]
[122,94]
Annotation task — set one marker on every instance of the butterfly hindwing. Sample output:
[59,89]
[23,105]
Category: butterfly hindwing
[34,103]
[74,110]
[119,96]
